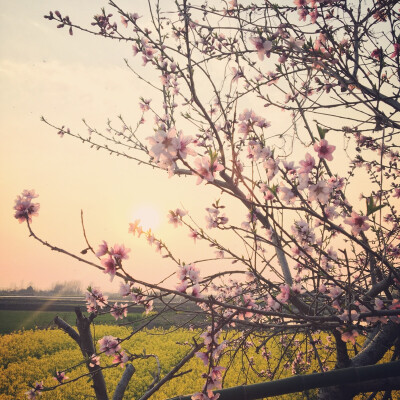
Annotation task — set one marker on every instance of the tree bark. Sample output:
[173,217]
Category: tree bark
[88,349]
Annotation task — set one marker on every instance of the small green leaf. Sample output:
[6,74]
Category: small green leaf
[322,132]
[372,207]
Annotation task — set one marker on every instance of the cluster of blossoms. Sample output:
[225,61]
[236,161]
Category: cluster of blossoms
[188,274]
[36,391]
[214,218]
[24,208]
[210,357]
[249,120]
[110,346]
[95,300]
[175,217]
[60,376]
[169,146]
[137,297]
[114,256]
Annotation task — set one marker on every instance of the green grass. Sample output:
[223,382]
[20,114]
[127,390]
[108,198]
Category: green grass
[15,320]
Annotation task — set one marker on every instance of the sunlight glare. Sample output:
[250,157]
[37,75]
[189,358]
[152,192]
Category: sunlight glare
[148,216]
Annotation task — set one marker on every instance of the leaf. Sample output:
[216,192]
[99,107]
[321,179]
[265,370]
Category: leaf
[372,207]
[322,132]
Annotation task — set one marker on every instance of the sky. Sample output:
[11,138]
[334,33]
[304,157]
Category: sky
[44,71]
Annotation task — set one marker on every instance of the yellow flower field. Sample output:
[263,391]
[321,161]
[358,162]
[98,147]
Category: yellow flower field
[29,356]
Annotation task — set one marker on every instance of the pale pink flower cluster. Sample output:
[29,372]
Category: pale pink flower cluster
[121,358]
[24,208]
[109,345]
[284,295]
[94,360]
[357,222]
[255,151]
[36,391]
[205,169]
[168,146]
[303,232]
[249,120]
[175,217]
[119,311]
[214,218]
[135,227]
[319,192]
[114,258]
[212,353]
[324,149]
[189,274]
[95,300]
[262,46]
[60,376]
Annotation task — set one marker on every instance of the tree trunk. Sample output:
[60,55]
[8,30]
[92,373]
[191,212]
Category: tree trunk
[88,349]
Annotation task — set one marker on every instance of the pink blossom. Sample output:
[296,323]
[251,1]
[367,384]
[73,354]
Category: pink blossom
[307,165]
[145,106]
[119,252]
[175,218]
[237,73]
[182,147]
[376,53]
[194,235]
[203,357]
[353,316]
[124,289]
[110,267]
[205,170]
[182,286]
[109,345]
[334,292]
[36,391]
[60,377]
[103,249]
[321,192]
[300,3]
[163,145]
[272,167]
[95,299]
[378,304]
[94,360]
[262,46]
[148,307]
[135,228]
[124,21]
[121,358]
[287,194]
[29,194]
[357,223]
[284,295]
[350,336]
[119,312]
[24,208]
[196,291]
[396,50]
[324,150]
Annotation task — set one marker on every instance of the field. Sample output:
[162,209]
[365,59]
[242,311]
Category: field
[23,313]
[34,355]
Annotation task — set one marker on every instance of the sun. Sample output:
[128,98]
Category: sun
[148,215]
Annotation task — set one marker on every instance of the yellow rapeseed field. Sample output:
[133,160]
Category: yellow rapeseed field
[29,356]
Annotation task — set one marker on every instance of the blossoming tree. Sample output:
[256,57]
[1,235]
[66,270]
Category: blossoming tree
[284,108]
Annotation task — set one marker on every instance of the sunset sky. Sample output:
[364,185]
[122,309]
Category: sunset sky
[44,71]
